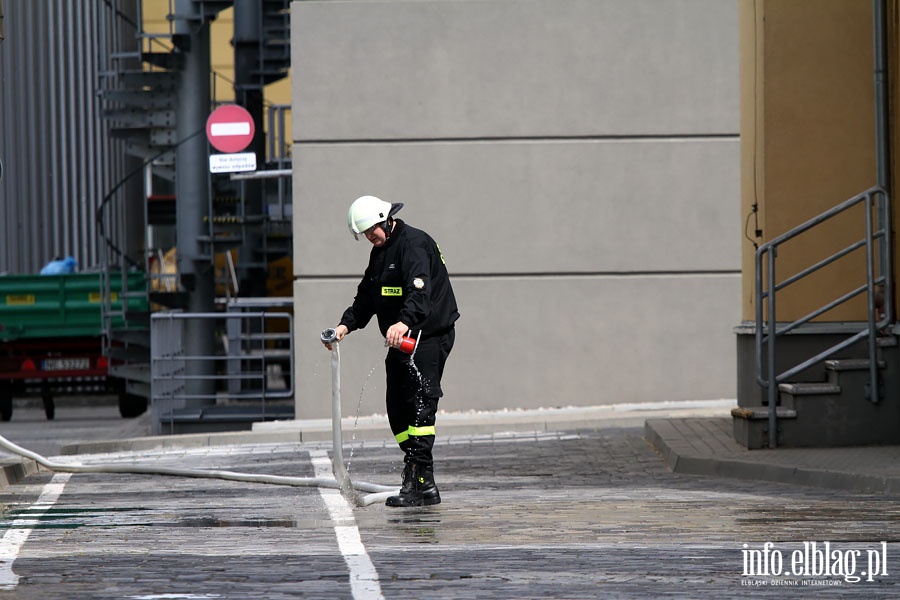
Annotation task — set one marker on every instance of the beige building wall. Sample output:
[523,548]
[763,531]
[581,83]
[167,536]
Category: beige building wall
[577,161]
[807,141]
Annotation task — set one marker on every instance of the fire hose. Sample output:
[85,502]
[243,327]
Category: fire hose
[349,489]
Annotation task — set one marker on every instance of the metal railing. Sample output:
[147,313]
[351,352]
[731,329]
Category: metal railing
[877,245]
[252,343]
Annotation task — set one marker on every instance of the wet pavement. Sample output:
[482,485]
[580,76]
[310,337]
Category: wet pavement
[581,513]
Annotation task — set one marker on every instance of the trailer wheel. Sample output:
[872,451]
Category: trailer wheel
[131,405]
[6,403]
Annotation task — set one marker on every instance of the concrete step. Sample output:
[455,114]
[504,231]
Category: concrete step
[751,425]
[839,365]
[762,413]
[809,388]
[822,414]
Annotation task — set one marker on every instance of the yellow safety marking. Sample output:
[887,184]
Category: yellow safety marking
[420,431]
[19,299]
[96,297]
[391,291]
[414,431]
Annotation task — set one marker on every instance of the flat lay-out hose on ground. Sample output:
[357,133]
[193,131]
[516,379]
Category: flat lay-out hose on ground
[349,489]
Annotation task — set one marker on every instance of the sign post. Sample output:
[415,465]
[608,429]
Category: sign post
[230,130]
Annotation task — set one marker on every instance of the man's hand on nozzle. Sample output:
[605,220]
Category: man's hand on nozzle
[339,332]
[395,334]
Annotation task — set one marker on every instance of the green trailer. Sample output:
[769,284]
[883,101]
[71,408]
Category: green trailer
[51,336]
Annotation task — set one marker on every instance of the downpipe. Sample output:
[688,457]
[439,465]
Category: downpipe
[349,489]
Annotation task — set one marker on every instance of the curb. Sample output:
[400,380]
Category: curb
[682,456]
[13,470]
[375,428]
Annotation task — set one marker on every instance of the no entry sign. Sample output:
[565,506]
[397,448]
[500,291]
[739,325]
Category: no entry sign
[230,128]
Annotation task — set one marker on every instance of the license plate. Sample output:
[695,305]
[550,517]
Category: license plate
[67,364]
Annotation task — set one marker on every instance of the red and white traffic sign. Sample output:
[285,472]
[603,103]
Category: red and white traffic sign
[230,128]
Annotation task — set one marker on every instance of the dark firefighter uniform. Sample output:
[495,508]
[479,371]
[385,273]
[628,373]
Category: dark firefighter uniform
[407,281]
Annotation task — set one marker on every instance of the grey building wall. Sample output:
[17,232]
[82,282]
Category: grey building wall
[58,158]
[577,161]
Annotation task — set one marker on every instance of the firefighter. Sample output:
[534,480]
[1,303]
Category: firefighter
[406,285]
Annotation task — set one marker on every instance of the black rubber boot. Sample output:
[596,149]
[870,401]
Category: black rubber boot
[428,488]
[418,489]
[408,483]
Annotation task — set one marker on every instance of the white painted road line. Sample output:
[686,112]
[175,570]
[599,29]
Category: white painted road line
[20,529]
[364,584]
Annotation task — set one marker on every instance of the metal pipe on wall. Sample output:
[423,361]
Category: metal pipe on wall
[882,141]
[882,154]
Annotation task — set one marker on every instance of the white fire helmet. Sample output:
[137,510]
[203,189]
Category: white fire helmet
[367,211]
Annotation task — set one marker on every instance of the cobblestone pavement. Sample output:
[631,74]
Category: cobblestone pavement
[576,515]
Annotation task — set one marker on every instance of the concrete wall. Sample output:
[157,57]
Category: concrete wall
[577,161]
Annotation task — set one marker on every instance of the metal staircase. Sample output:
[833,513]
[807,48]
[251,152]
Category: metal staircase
[140,94]
[845,391]
[140,87]
[274,43]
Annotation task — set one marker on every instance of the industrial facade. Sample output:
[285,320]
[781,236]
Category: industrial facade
[102,102]
[59,159]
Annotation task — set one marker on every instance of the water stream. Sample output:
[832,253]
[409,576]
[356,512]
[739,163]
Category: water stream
[362,393]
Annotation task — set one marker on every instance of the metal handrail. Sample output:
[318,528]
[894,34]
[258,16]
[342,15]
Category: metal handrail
[767,330]
[240,370]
